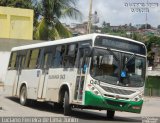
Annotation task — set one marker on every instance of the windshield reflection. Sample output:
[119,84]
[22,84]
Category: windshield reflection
[107,65]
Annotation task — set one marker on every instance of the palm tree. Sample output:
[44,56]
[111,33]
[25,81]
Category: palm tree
[17,3]
[50,27]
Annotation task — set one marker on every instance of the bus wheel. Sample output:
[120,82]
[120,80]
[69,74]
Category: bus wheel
[110,114]
[67,106]
[23,96]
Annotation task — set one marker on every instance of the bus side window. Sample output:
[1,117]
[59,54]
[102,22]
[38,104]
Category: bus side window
[28,55]
[23,62]
[58,60]
[12,62]
[48,57]
[53,56]
[71,54]
[33,62]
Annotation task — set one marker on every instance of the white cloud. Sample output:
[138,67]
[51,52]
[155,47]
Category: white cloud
[114,12]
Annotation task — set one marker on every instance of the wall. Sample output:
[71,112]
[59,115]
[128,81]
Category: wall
[152,86]
[16,23]
[4,56]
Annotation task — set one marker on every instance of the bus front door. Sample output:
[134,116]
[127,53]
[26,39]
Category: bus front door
[81,76]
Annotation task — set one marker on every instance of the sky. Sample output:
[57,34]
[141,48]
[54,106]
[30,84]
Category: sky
[116,13]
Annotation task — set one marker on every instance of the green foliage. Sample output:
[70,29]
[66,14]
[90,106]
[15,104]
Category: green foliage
[52,11]
[138,37]
[51,32]
[152,40]
[144,26]
[62,30]
[42,31]
[135,36]
[49,27]
[105,30]
[17,3]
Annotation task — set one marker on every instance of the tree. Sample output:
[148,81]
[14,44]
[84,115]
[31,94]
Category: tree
[137,36]
[105,27]
[17,3]
[104,24]
[50,27]
[153,40]
[144,26]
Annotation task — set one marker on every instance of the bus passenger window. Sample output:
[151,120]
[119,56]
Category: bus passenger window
[12,63]
[23,62]
[47,60]
[58,56]
[28,55]
[70,57]
[34,59]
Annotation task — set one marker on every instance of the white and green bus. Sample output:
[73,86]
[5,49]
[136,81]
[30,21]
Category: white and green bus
[93,71]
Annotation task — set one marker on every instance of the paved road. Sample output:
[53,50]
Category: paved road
[11,107]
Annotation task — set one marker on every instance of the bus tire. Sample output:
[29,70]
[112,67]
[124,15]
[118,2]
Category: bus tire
[110,114]
[67,106]
[23,96]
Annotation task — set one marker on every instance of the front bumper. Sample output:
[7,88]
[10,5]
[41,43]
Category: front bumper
[113,104]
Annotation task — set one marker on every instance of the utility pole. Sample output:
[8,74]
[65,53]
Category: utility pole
[90,18]
[146,18]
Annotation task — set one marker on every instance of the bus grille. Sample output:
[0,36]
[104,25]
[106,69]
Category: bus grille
[118,91]
[115,103]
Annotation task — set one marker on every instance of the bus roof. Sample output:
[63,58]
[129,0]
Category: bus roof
[69,40]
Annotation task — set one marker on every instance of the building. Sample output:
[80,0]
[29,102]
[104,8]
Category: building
[80,29]
[16,23]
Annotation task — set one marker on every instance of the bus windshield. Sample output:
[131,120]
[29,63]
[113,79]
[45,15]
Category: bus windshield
[118,68]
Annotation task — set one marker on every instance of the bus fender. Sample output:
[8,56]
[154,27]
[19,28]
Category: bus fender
[21,85]
[64,85]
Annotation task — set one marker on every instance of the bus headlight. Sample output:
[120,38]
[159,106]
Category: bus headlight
[94,90]
[138,98]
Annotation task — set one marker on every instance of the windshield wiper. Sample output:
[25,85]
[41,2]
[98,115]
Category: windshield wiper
[125,62]
[113,54]
[130,58]
[119,63]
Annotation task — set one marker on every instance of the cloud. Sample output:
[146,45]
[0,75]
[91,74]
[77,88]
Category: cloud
[115,12]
